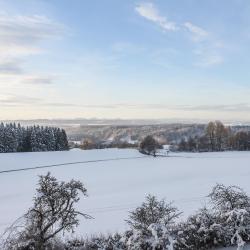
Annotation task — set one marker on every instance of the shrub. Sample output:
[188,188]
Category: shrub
[231,206]
[199,231]
[149,146]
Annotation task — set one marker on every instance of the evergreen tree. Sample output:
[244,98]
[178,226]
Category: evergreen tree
[15,138]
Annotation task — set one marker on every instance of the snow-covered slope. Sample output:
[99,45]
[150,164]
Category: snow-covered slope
[115,187]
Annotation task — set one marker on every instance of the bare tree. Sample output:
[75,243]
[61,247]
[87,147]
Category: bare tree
[217,135]
[221,133]
[210,133]
[53,212]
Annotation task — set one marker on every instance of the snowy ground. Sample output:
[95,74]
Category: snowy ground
[115,187]
[246,247]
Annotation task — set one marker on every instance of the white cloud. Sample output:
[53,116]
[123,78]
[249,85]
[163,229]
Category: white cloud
[151,13]
[198,34]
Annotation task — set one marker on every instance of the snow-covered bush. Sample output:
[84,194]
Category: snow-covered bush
[199,231]
[226,223]
[157,237]
[231,206]
[100,242]
[152,225]
[228,198]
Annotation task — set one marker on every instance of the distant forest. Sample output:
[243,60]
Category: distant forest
[15,138]
[217,137]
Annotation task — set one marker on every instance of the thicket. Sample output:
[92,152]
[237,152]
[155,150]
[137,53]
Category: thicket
[155,225]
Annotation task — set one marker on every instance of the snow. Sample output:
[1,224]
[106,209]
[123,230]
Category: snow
[76,142]
[166,147]
[129,140]
[246,247]
[116,187]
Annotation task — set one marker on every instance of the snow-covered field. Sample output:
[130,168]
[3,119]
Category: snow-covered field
[115,187]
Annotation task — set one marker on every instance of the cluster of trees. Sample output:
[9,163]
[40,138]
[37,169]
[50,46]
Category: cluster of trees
[217,137]
[153,225]
[15,138]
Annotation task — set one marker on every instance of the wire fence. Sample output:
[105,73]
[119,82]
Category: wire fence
[68,163]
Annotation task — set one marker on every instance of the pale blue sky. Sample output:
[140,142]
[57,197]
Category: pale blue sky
[125,59]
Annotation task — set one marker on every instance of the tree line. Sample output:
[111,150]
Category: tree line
[89,144]
[217,137]
[154,225]
[16,138]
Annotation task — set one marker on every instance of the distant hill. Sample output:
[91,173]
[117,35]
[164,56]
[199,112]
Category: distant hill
[165,133]
[129,130]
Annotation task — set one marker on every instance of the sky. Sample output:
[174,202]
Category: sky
[153,59]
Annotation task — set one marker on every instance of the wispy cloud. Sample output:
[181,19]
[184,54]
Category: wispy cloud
[26,30]
[151,13]
[206,51]
[20,37]
[208,56]
[9,67]
[15,101]
[198,34]
[207,48]
[38,80]
[8,101]
[238,107]
[11,100]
